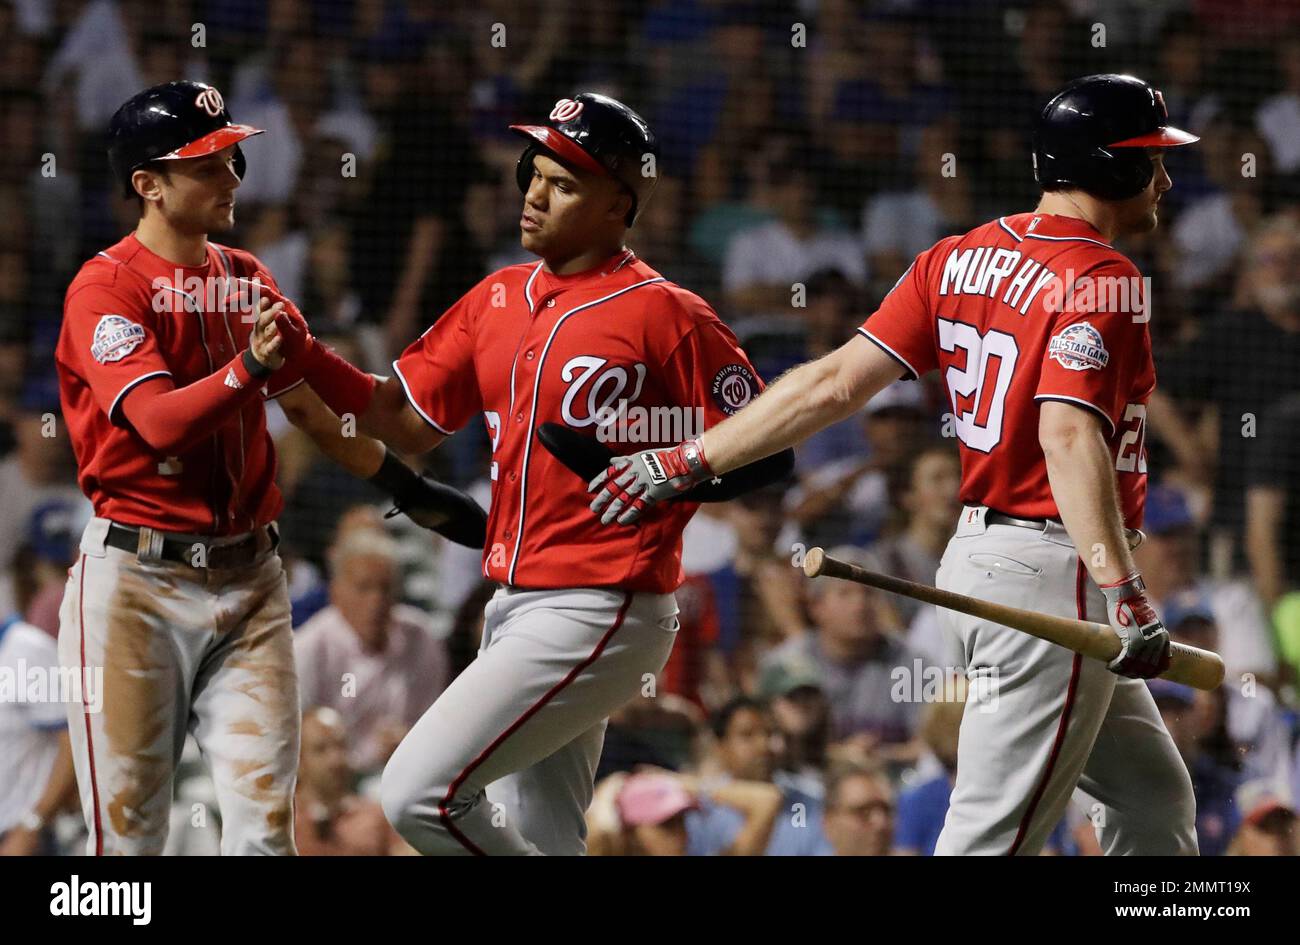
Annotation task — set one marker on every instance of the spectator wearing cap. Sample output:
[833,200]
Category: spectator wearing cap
[744,812]
[641,814]
[374,661]
[1168,558]
[859,819]
[853,651]
[801,718]
[847,501]
[41,566]
[40,470]
[1195,722]
[1268,827]
[329,819]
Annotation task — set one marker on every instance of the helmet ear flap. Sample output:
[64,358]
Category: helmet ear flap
[241,163]
[524,169]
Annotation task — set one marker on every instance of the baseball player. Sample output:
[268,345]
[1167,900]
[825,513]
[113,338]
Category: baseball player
[1048,392]
[503,761]
[178,596]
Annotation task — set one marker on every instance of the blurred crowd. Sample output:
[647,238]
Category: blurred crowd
[811,148]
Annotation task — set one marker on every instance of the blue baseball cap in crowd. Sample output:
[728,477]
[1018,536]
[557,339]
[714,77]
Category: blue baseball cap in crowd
[53,529]
[1166,511]
[39,394]
[1169,691]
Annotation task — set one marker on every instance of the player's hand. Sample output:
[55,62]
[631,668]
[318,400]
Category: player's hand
[633,483]
[1145,640]
[266,342]
[297,339]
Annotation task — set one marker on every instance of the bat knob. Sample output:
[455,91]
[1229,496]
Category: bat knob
[813,561]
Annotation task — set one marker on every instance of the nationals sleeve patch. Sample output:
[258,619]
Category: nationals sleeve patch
[115,338]
[1079,347]
[733,387]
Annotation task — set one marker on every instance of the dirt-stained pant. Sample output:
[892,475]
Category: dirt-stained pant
[181,649]
[503,762]
[1041,720]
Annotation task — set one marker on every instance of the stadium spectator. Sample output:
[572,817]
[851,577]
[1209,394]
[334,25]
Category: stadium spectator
[923,806]
[801,718]
[853,650]
[847,501]
[764,262]
[372,660]
[38,782]
[1168,559]
[1263,345]
[1273,502]
[924,491]
[329,819]
[1195,720]
[1269,828]
[859,818]
[39,470]
[746,813]
[642,814]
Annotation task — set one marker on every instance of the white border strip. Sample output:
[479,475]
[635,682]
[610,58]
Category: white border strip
[1082,403]
[406,389]
[112,408]
[891,352]
[1002,222]
[1066,239]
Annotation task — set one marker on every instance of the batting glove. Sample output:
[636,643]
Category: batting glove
[1144,639]
[632,484]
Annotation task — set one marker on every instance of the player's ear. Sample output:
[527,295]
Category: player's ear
[621,206]
[147,184]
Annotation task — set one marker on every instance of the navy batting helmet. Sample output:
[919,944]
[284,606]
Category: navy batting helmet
[599,134]
[1092,135]
[170,121]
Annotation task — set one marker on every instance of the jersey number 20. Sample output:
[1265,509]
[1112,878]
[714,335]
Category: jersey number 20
[978,389]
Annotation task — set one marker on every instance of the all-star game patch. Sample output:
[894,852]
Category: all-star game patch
[115,338]
[1079,347]
[733,387]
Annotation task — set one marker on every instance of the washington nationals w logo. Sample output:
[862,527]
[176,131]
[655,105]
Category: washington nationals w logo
[210,101]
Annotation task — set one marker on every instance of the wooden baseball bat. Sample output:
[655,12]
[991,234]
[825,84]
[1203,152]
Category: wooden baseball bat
[1190,665]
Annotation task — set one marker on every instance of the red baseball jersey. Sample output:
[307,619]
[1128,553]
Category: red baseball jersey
[130,316]
[1024,309]
[524,347]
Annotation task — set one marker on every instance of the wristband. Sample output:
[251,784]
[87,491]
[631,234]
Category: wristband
[343,387]
[693,453]
[254,367]
[395,477]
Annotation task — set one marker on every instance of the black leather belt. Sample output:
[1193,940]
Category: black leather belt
[196,551]
[1135,536]
[1001,518]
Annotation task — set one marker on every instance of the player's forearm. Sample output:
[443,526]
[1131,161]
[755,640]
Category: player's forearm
[360,455]
[1081,472]
[173,419]
[760,804]
[390,418]
[797,405]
